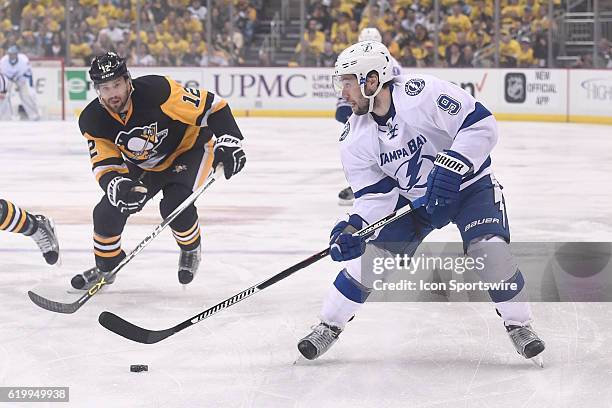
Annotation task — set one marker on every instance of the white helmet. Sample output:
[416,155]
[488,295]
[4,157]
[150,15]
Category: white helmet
[360,59]
[370,34]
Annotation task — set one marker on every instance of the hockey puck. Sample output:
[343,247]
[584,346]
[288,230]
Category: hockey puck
[139,368]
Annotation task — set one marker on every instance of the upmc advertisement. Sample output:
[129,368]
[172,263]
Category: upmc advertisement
[512,94]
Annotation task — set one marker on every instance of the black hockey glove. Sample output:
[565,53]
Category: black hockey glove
[127,195]
[228,151]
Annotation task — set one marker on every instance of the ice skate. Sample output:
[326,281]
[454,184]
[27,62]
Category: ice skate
[527,343]
[46,239]
[322,337]
[83,281]
[189,262]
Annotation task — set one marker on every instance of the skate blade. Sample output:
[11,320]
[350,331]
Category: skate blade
[300,359]
[538,361]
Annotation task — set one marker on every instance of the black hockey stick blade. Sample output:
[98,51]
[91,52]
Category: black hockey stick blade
[51,305]
[130,331]
[66,308]
[138,334]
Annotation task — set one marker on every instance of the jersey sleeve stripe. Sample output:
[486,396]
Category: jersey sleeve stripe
[478,114]
[207,104]
[99,171]
[381,187]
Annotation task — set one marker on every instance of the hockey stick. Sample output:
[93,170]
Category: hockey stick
[68,308]
[138,334]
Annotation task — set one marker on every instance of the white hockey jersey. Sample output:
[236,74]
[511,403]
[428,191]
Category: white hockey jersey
[383,160]
[17,71]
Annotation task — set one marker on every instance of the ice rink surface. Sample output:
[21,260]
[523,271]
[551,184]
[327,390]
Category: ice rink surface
[277,212]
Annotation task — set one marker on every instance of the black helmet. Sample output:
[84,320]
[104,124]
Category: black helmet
[107,67]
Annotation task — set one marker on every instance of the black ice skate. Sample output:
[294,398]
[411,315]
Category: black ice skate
[189,262]
[46,239]
[85,280]
[321,339]
[527,343]
[346,196]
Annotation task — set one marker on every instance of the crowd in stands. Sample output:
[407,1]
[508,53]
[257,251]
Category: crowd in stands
[465,29]
[170,32]
[174,32]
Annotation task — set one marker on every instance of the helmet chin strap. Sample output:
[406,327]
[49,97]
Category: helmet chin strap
[371,97]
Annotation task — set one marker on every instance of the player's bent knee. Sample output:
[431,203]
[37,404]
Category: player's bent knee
[175,195]
[499,266]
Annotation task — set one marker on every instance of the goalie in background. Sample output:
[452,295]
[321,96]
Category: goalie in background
[15,67]
[146,135]
[39,227]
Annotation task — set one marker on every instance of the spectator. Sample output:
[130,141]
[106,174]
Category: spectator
[192,57]
[328,57]
[197,9]
[604,54]
[29,46]
[341,42]
[454,58]
[114,33]
[407,59]
[458,21]
[446,37]
[95,20]
[525,57]
[310,53]
[56,48]
[391,44]
[509,49]
[342,24]
[585,61]
[247,16]
[540,50]
[467,57]
[314,38]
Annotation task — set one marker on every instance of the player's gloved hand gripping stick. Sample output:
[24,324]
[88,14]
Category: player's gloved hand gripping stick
[132,332]
[60,307]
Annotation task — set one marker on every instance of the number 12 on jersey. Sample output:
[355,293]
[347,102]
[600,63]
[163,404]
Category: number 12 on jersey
[193,97]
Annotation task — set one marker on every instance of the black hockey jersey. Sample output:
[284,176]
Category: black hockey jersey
[164,120]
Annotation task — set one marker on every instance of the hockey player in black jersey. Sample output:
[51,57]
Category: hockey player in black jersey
[145,135]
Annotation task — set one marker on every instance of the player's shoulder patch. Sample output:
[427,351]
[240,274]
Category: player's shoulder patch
[345,131]
[414,86]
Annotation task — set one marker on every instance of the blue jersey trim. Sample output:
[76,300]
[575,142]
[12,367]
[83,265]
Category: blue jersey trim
[350,288]
[478,114]
[382,187]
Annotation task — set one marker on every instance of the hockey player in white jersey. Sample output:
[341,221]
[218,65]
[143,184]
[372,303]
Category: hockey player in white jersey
[343,108]
[5,105]
[420,141]
[16,68]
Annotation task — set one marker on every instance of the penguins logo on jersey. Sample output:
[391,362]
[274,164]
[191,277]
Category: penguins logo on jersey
[140,143]
[345,132]
[414,86]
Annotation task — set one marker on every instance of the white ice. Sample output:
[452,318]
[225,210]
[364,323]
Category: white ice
[276,213]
